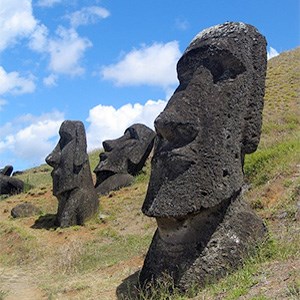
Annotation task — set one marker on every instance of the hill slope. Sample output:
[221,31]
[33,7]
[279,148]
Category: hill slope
[91,262]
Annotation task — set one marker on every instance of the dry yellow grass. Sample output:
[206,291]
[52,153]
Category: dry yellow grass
[38,261]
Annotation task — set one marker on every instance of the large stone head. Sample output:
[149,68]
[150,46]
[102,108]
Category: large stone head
[68,157]
[212,120]
[127,154]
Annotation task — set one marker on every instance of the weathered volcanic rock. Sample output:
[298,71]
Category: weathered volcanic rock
[25,210]
[123,158]
[72,179]
[7,170]
[212,120]
[9,185]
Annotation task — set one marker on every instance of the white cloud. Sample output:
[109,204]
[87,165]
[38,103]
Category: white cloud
[182,24]
[16,21]
[15,84]
[106,122]
[30,138]
[88,15]
[272,53]
[50,80]
[39,39]
[47,3]
[3,102]
[66,51]
[153,65]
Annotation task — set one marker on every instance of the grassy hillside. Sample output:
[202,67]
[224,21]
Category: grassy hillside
[38,261]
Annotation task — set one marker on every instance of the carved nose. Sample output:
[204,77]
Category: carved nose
[53,159]
[177,132]
[165,127]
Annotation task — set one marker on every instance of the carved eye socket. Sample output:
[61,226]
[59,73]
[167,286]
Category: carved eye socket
[224,66]
[131,133]
[65,139]
[107,146]
[221,63]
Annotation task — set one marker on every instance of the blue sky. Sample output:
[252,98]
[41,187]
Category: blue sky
[107,63]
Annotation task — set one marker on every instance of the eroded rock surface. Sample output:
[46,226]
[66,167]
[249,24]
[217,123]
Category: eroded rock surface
[7,170]
[123,158]
[212,120]
[72,179]
[25,209]
[10,185]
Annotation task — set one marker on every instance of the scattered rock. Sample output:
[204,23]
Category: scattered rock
[25,210]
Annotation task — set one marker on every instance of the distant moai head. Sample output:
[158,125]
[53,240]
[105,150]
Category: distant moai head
[212,120]
[7,170]
[68,157]
[127,154]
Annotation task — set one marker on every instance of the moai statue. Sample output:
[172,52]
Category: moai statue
[7,170]
[72,179]
[10,185]
[123,158]
[213,119]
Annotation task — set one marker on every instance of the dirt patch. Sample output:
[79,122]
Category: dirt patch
[277,280]
[19,284]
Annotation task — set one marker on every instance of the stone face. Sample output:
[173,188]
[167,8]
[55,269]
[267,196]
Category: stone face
[123,158]
[25,210]
[71,175]
[212,120]
[7,170]
[9,185]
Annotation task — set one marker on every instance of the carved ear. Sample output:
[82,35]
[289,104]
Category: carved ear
[252,131]
[80,156]
[253,118]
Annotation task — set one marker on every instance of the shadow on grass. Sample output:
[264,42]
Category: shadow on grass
[129,288]
[45,222]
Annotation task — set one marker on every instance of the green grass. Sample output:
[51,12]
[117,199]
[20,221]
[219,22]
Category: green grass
[3,294]
[99,254]
[73,257]
[267,163]
[39,177]
[94,158]
[22,245]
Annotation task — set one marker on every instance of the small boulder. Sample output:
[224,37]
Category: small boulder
[25,210]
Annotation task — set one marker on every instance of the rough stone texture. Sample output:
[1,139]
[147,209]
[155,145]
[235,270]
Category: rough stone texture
[25,210]
[123,158]
[212,120]
[9,185]
[7,170]
[72,179]
[203,247]
[114,182]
